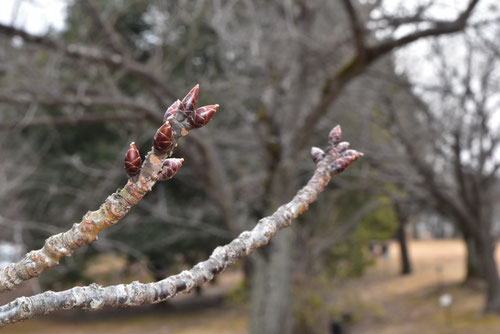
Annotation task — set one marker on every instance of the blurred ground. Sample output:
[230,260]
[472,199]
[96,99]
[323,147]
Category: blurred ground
[397,304]
[411,304]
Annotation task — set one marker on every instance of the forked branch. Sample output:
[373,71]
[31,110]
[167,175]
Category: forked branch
[95,297]
[179,119]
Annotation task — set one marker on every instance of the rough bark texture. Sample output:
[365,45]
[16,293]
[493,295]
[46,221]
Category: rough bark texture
[109,213]
[95,297]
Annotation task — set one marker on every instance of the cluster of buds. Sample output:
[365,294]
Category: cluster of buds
[179,118]
[185,111]
[338,147]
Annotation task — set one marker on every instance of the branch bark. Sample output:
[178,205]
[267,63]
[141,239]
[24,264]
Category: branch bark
[95,297]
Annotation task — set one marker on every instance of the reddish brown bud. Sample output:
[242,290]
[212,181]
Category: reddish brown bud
[132,161]
[348,158]
[190,100]
[170,168]
[163,140]
[341,163]
[202,116]
[317,154]
[172,110]
[343,146]
[335,135]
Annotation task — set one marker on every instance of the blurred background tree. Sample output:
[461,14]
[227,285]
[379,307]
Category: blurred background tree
[283,73]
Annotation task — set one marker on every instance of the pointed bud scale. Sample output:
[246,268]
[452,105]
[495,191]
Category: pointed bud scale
[343,146]
[190,100]
[202,116]
[317,154]
[335,135]
[132,161]
[172,110]
[163,140]
[343,162]
[170,168]
[352,153]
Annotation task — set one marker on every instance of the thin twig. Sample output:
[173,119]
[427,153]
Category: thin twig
[95,297]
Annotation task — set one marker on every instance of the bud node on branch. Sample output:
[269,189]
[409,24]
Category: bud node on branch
[142,178]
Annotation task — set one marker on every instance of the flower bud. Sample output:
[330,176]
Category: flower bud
[190,100]
[317,154]
[341,147]
[341,163]
[170,168]
[132,161]
[335,135]
[202,116]
[163,140]
[345,160]
[172,110]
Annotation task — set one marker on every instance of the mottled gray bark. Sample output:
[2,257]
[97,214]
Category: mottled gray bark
[95,297]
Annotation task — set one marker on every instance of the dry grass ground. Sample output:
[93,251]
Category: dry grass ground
[396,304]
[410,304]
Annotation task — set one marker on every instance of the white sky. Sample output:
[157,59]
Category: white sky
[36,16]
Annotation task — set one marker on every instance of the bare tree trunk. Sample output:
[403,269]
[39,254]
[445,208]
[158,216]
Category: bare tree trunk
[271,309]
[405,258]
[486,250]
[402,214]
[473,262]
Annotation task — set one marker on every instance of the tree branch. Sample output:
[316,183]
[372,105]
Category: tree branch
[428,174]
[440,28]
[335,83]
[142,178]
[84,101]
[92,55]
[107,29]
[356,27]
[69,121]
[95,297]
